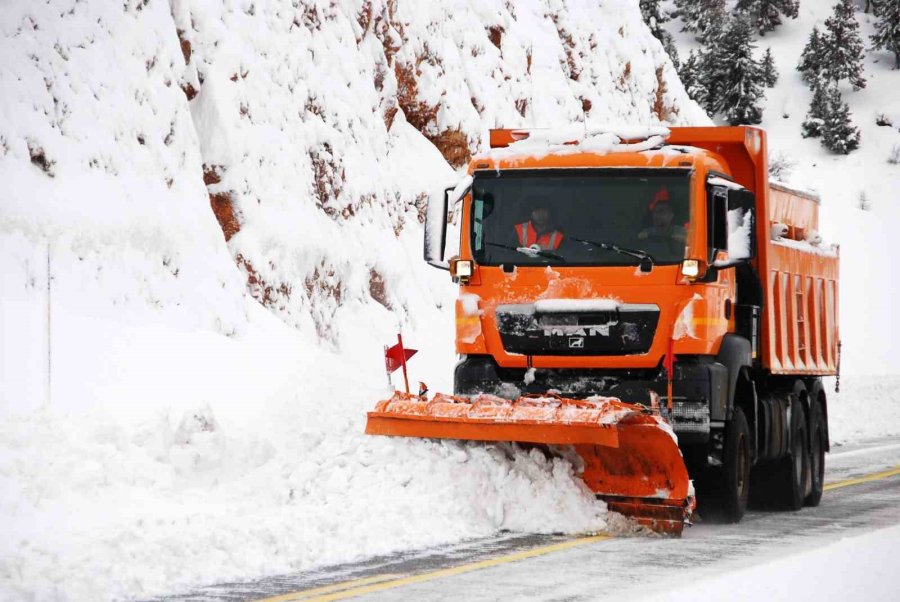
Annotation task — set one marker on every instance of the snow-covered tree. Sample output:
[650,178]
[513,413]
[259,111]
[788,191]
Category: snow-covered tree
[769,71]
[843,54]
[838,132]
[818,111]
[767,13]
[738,75]
[692,77]
[811,64]
[887,28]
[699,16]
[654,17]
[708,70]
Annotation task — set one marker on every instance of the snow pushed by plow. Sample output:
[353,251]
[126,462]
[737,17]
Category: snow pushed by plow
[145,508]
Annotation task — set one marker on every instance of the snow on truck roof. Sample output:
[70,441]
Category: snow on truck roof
[804,193]
[511,146]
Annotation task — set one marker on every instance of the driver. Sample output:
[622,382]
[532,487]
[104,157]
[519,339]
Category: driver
[539,231]
[662,228]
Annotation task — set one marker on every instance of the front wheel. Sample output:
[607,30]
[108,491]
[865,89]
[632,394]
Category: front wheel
[736,466]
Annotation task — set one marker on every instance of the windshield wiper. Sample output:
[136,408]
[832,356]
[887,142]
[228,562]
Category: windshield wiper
[529,251]
[647,260]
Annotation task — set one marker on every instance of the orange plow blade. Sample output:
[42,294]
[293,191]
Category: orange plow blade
[632,460]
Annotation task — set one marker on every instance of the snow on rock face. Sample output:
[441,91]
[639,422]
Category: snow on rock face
[340,116]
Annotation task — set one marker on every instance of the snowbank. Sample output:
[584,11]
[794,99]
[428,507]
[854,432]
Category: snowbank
[867,407]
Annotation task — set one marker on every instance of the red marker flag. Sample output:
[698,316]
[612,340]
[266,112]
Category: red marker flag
[395,357]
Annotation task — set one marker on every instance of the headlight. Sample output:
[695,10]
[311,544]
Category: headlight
[690,269]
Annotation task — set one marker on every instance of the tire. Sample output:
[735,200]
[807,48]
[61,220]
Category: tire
[794,473]
[817,445]
[735,482]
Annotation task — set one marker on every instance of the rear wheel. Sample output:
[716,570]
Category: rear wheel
[736,467]
[785,483]
[794,469]
[817,445]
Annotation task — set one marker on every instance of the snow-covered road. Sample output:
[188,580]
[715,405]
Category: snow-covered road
[847,547]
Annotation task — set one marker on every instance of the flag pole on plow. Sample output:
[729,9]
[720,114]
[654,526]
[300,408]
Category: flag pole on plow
[395,357]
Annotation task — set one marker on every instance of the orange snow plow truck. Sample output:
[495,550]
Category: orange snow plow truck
[648,298]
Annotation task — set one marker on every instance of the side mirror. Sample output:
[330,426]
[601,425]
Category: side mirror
[436,221]
[436,229]
[741,225]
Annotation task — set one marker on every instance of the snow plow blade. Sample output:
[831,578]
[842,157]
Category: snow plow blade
[631,458]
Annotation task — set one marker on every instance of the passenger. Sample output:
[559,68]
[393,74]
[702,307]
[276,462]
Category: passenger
[661,229]
[539,231]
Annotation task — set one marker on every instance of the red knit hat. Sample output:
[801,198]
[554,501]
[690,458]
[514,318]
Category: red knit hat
[661,196]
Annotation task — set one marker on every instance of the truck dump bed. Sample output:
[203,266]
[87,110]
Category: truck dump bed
[800,282]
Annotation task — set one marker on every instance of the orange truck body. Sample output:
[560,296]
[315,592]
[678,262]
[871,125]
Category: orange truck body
[729,352]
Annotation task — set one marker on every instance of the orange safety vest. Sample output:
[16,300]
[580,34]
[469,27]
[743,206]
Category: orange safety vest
[528,236]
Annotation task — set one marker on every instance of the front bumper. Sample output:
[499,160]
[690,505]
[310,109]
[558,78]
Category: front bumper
[699,384]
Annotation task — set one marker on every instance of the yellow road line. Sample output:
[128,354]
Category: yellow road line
[327,589]
[358,587]
[361,589]
[875,476]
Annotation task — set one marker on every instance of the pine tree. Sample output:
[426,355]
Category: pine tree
[710,69]
[811,60]
[691,77]
[818,108]
[739,75]
[843,48]
[654,17]
[887,28]
[838,132]
[767,13]
[698,16]
[769,71]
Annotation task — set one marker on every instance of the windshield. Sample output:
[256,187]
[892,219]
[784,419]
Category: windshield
[580,216]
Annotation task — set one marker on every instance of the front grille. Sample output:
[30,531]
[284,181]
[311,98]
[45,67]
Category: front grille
[628,330]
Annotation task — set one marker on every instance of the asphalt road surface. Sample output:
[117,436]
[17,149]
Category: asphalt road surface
[862,495]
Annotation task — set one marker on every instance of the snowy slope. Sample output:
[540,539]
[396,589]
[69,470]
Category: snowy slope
[870,271]
[178,409]
[870,274]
